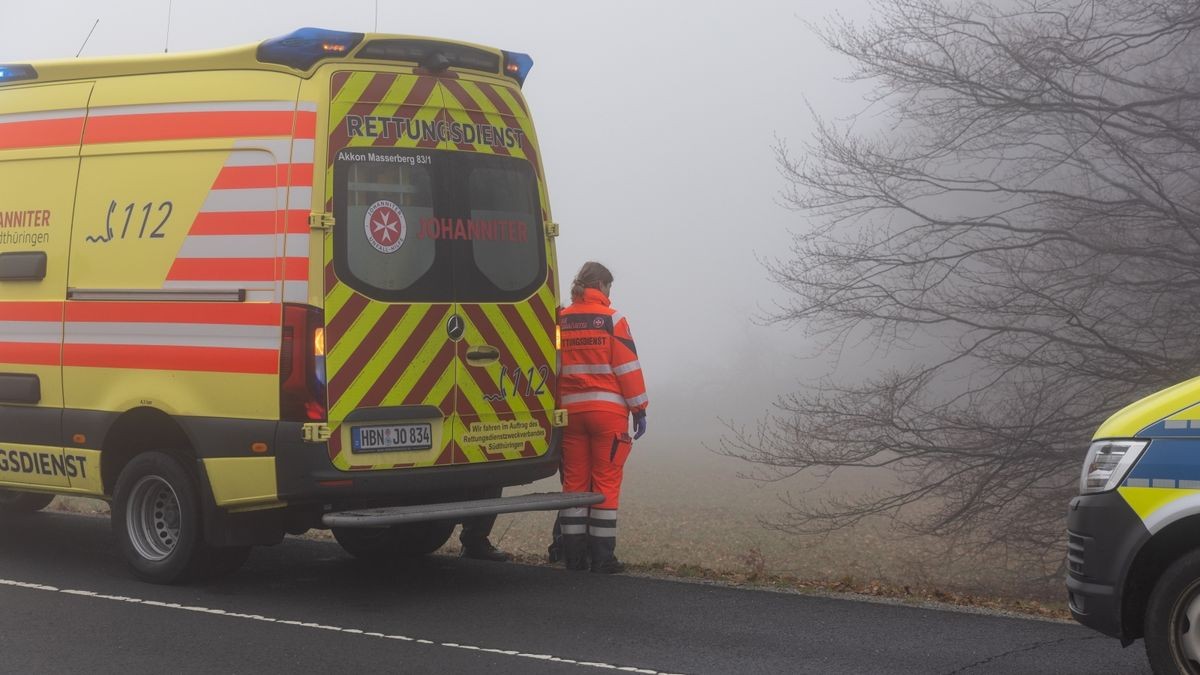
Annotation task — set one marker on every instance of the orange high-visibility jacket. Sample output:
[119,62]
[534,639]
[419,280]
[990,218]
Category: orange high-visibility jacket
[600,369]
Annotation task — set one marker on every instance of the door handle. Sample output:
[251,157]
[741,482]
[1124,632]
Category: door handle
[482,355]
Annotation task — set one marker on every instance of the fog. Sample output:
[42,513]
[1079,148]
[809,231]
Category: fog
[656,123]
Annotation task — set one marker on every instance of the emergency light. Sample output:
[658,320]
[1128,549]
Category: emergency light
[517,66]
[304,48]
[12,72]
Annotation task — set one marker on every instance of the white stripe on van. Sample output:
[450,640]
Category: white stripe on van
[251,157]
[229,246]
[30,331]
[43,115]
[251,199]
[225,285]
[285,150]
[299,197]
[295,291]
[244,246]
[203,107]
[172,334]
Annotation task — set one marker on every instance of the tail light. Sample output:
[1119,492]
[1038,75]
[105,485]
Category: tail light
[557,352]
[302,365]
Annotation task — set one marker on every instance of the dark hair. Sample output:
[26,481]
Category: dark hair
[591,275]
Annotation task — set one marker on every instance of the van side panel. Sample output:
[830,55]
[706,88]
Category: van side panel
[183,190]
[40,132]
[191,231]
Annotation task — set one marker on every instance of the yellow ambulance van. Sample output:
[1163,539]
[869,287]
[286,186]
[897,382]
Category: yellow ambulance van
[1133,558]
[308,283]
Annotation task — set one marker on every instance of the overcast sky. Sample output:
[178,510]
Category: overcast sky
[656,123]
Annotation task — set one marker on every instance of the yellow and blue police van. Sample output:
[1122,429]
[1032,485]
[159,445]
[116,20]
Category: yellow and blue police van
[1133,560]
[308,283]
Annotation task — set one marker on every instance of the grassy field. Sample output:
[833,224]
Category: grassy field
[682,510]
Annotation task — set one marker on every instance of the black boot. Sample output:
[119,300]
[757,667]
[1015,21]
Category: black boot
[482,549]
[554,553]
[575,551]
[602,541]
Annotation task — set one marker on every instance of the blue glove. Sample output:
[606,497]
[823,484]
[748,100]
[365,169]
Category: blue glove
[639,425]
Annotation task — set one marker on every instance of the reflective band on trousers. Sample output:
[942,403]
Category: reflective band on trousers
[576,529]
[594,396]
[588,369]
[594,531]
[627,368]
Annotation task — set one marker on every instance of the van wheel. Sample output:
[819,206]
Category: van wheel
[12,501]
[397,541]
[156,520]
[1172,625]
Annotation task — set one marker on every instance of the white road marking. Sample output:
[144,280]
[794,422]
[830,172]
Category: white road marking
[318,626]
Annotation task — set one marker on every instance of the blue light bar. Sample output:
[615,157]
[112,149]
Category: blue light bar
[517,66]
[13,72]
[304,48]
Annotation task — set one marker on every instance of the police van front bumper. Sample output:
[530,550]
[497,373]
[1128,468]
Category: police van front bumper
[304,474]
[1103,537]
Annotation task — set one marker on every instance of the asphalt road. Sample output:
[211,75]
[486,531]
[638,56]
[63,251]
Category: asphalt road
[67,604]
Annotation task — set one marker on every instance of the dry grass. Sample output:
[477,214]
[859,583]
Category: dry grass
[696,519]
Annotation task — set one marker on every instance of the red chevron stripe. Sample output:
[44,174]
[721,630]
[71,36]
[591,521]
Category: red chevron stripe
[376,89]
[417,98]
[367,349]
[476,116]
[403,359]
[521,330]
[337,325]
[420,391]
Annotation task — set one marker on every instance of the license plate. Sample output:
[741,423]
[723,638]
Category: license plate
[390,437]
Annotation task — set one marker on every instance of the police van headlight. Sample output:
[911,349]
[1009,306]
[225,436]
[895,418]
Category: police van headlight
[1107,464]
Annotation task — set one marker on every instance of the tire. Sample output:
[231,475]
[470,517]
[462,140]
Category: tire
[1172,623]
[13,502]
[422,538]
[379,544]
[156,520]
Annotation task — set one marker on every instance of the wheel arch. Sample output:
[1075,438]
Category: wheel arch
[137,431]
[1165,547]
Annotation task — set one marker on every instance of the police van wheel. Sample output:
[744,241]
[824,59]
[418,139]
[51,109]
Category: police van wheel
[12,501]
[1172,625]
[156,520]
[390,543]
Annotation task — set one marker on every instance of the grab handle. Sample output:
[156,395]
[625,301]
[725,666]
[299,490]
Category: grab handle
[482,355]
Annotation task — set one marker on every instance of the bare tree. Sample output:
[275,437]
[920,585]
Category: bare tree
[1026,227]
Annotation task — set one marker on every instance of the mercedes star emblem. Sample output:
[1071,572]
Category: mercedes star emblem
[455,327]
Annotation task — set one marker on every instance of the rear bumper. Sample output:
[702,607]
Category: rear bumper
[301,469]
[1104,535]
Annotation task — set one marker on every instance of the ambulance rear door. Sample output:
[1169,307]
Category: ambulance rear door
[391,322]
[502,276]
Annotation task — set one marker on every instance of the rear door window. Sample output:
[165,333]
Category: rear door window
[437,226]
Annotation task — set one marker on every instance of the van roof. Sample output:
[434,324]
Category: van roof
[297,53]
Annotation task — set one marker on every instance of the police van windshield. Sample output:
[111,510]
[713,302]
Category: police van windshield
[437,226]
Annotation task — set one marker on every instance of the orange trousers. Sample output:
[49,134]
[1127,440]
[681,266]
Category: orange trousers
[595,447]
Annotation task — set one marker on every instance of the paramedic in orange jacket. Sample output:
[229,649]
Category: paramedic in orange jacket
[601,386]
